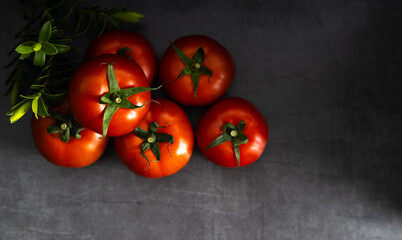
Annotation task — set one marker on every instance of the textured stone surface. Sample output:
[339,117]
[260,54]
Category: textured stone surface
[327,77]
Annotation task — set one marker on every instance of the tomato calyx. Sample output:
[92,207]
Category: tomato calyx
[123,52]
[193,66]
[233,133]
[152,139]
[118,98]
[66,126]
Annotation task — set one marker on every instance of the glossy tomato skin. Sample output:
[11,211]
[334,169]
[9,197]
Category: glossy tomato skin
[90,82]
[75,154]
[217,59]
[232,110]
[113,41]
[176,123]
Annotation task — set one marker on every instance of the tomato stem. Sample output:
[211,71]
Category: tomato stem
[233,133]
[152,139]
[118,98]
[66,126]
[193,67]
[63,126]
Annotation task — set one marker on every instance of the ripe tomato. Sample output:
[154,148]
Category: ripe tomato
[196,86]
[173,157]
[92,82]
[141,50]
[244,126]
[74,153]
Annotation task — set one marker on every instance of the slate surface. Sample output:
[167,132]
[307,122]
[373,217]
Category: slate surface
[327,77]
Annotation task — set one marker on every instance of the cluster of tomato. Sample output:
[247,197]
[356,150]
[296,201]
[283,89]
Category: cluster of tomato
[109,96]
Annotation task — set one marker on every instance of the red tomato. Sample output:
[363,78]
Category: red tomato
[75,153]
[217,59]
[175,122]
[90,82]
[233,111]
[112,42]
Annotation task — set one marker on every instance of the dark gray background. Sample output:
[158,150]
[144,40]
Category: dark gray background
[327,77]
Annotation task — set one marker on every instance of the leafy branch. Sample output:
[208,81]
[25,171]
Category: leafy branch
[43,67]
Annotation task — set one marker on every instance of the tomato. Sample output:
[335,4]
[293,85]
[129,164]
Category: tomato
[93,101]
[75,153]
[245,127]
[194,59]
[173,156]
[141,50]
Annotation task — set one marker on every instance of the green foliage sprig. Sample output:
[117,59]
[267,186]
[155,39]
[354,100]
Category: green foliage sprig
[43,68]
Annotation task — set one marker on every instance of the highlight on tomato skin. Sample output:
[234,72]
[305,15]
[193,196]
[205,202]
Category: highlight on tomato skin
[165,118]
[128,43]
[75,153]
[196,70]
[232,133]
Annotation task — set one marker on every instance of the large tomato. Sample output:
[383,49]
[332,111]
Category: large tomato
[139,149]
[196,70]
[232,133]
[97,101]
[131,44]
[74,153]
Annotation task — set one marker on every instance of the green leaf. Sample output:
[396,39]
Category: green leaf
[107,98]
[45,32]
[145,146]
[194,78]
[235,143]
[78,133]
[25,48]
[42,108]
[141,133]
[39,58]
[24,56]
[32,96]
[107,117]
[14,93]
[183,57]
[49,48]
[128,16]
[182,73]
[164,137]
[219,140]
[61,48]
[125,103]
[153,127]
[113,85]
[127,92]
[35,107]
[156,151]
[65,136]
[237,138]
[241,125]
[205,71]
[19,110]
[52,129]
[199,55]
[54,98]
[243,138]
